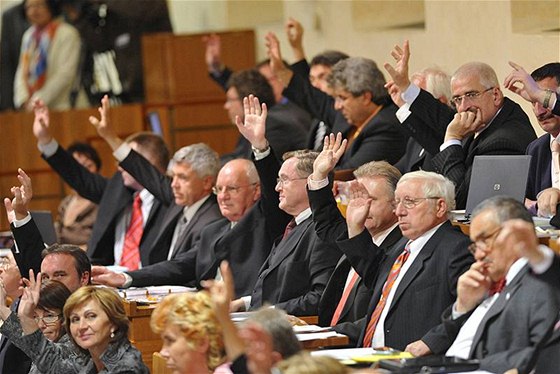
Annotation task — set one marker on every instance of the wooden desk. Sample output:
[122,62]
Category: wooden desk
[141,334]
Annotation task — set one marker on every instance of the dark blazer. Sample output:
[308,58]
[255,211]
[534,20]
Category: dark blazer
[509,134]
[246,246]
[160,186]
[540,176]
[515,327]
[428,287]
[380,139]
[30,245]
[330,225]
[12,359]
[113,198]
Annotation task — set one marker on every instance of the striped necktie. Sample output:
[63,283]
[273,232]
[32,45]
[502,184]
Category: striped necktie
[131,249]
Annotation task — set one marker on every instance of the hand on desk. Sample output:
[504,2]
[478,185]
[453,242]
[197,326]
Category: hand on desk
[547,201]
[106,277]
[418,348]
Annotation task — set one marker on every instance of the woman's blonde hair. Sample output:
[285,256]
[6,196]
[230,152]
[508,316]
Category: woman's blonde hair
[195,317]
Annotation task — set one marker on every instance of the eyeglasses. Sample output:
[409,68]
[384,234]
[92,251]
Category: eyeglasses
[457,100]
[483,242]
[233,190]
[409,202]
[285,181]
[48,319]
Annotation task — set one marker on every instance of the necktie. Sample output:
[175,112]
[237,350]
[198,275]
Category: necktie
[555,150]
[131,250]
[393,274]
[344,298]
[320,136]
[289,228]
[497,287]
[180,227]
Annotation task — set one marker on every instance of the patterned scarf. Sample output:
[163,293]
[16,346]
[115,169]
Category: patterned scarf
[35,52]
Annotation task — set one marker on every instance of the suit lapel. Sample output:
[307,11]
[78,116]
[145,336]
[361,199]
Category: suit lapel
[285,247]
[213,253]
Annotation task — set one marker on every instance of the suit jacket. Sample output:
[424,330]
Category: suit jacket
[160,186]
[428,287]
[30,245]
[113,198]
[509,134]
[515,327]
[246,246]
[330,225]
[540,176]
[380,139]
[12,359]
[415,158]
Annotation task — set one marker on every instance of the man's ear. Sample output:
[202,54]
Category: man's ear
[85,278]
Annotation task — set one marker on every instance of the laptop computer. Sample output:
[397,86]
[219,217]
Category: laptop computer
[497,175]
[43,220]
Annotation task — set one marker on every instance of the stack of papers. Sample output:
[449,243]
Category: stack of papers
[152,295]
[353,356]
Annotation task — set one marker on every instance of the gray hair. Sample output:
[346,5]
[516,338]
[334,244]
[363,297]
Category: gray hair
[504,209]
[305,157]
[437,82]
[382,169]
[276,323]
[486,75]
[200,157]
[358,75]
[433,185]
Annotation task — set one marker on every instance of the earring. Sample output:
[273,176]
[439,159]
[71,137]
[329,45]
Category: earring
[112,334]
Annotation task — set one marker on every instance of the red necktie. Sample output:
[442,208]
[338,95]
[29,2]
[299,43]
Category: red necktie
[131,249]
[497,287]
[344,298]
[393,274]
[289,228]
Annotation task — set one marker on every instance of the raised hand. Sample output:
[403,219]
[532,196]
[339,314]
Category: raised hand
[254,124]
[399,73]
[213,53]
[472,287]
[41,122]
[520,235]
[104,276]
[261,356]
[276,64]
[221,292]
[464,124]
[18,207]
[30,297]
[333,149]
[294,32]
[521,83]
[358,208]
[103,124]
[395,93]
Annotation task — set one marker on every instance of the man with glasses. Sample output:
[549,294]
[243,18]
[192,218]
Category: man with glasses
[413,281]
[486,122]
[296,272]
[503,315]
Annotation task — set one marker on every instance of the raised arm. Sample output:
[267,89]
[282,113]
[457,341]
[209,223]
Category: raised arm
[521,83]
[294,32]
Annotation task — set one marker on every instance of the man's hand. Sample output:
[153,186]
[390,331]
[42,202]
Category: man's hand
[106,277]
[395,93]
[103,125]
[520,235]
[237,305]
[358,208]
[399,73]
[294,32]
[18,207]
[276,64]
[333,149]
[221,292]
[254,126]
[464,124]
[521,83]
[472,287]
[41,122]
[418,348]
[30,297]
[261,356]
[213,54]
[547,201]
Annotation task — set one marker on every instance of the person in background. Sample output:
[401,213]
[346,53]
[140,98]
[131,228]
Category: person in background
[49,58]
[191,334]
[76,214]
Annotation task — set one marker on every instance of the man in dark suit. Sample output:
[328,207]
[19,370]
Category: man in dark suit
[359,98]
[503,316]
[486,123]
[346,297]
[295,273]
[244,237]
[418,273]
[114,195]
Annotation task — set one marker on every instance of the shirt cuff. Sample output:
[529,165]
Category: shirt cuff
[48,149]
[128,280]
[316,185]
[122,152]
[246,301]
[546,263]
[411,93]
[449,143]
[454,313]
[260,155]
[403,112]
[23,221]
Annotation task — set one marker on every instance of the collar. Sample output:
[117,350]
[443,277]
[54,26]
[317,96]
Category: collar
[190,211]
[489,123]
[303,216]
[417,244]
[380,237]
[146,196]
[514,269]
